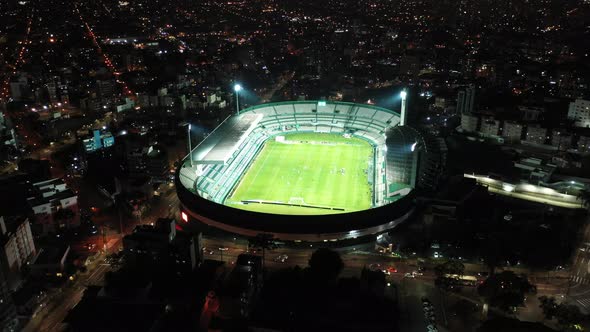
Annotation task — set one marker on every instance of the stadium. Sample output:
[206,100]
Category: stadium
[305,171]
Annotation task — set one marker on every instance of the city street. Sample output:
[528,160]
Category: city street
[49,317]
[411,291]
[579,287]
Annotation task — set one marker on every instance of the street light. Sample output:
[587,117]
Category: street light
[237,89]
[190,149]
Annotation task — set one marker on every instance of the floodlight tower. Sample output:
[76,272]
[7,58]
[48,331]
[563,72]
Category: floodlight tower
[404,97]
[190,149]
[237,89]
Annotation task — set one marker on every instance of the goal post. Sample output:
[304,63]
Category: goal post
[296,201]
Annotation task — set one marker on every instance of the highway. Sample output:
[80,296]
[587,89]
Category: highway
[578,291]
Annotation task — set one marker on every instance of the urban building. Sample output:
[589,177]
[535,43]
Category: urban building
[466,100]
[54,205]
[469,122]
[579,111]
[410,66]
[531,113]
[536,135]
[489,127]
[17,247]
[19,88]
[7,133]
[49,204]
[135,162]
[512,131]
[534,170]
[156,164]
[242,286]
[562,140]
[99,140]
[126,105]
[441,102]
[151,244]
[583,145]
[91,104]
[105,88]
[50,262]
[151,161]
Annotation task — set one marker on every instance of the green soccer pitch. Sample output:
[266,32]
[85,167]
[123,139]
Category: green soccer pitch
[308,174]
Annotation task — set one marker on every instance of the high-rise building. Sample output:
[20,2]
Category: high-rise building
[8,315]
[16,247]
[157,166]
[466,100]
[579,111]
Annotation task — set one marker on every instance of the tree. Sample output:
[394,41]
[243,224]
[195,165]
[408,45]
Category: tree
[568,315]
[549,306]
[443,270]
[325,265]
[491,253]
[263,241]
[450,267]
[505,290]
[497,324]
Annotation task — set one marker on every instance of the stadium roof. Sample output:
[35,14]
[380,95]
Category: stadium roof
[220,145]
[308,105]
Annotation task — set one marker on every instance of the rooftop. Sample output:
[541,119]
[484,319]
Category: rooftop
[225,139]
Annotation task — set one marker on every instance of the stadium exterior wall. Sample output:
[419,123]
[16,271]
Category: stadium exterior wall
[308,228]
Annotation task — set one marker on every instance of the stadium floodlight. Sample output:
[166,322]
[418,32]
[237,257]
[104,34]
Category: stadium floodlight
[237,89]
[190,149]
[403,95]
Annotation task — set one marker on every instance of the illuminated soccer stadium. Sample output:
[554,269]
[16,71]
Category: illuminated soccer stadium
[302,171]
